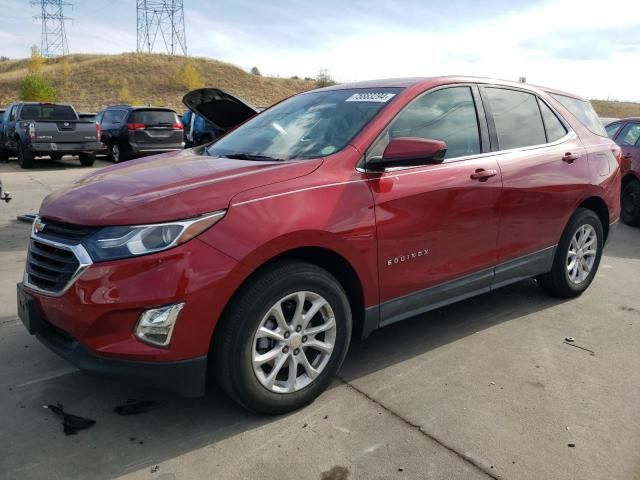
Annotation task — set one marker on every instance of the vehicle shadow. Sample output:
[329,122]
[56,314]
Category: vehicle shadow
[624,242]
[179,425]
[46,164]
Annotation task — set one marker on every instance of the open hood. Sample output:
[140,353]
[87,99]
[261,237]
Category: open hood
[219,107]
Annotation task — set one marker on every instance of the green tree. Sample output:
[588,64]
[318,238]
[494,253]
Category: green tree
[36,87]
[324,79]
[124,95]
[189,76]
[255,71]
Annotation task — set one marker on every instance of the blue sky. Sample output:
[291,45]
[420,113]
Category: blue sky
[587,47]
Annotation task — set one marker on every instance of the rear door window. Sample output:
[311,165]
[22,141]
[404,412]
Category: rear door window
[47,112]
[629,136]
[583,111]
[118,116]
[154,117]
[516,117]
[552,124]
[448,114]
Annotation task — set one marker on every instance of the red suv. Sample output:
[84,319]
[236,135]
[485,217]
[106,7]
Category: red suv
[256,259]
[626,133]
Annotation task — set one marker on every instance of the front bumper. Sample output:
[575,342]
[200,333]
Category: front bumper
[92,323]
[186,377]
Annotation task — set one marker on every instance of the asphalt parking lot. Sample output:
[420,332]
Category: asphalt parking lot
[482,389]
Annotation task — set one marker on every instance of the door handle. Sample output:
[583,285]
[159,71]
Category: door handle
[483,175]
[570,158]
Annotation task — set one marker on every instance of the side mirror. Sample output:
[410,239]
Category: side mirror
[409,152]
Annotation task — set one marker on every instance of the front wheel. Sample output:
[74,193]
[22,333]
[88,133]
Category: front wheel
[630,211]
[283,338]
[577,256]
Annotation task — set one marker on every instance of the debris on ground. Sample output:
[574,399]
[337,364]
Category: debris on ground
[569,339]
[134,407]
[571,445]
[155,468]
[571,344]
[71,423]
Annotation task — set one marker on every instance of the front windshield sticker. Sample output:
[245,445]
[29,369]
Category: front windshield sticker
[378,97]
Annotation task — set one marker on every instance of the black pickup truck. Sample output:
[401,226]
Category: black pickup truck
[32,129]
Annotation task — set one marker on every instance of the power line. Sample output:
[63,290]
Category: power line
[161,22]
[54,36]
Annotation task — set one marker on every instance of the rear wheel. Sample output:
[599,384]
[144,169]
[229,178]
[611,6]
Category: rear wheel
[577,256]
[87,159]
[283,338]
[630,212]
[25,157]
[4,155]
[118,153]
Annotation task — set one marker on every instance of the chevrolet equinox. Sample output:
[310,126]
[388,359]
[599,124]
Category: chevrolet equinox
[256,259]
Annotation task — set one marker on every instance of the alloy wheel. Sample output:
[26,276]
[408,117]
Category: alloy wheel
[581,256]
[294,342]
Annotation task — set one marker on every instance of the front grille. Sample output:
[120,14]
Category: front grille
[50,268]
[64,232]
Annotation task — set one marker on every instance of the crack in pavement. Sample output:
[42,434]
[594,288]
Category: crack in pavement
[464,457]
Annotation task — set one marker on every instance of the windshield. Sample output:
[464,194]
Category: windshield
[47,112]
[310,125]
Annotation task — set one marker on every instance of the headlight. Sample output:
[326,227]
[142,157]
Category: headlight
[112,243]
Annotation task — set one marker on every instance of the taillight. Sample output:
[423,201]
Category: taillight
[97,132]
[32,131]
[136,126]
[178,126]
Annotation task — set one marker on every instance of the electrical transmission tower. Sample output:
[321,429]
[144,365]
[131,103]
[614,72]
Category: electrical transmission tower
[54,35]
[164,19]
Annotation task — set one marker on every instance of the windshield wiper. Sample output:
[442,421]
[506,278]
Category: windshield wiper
[248,156]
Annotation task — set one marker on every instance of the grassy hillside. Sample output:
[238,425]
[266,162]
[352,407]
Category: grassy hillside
[94,81]
[609,108]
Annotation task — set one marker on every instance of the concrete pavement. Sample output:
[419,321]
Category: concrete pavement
[482,389]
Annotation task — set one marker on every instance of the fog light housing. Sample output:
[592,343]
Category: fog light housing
[155,325]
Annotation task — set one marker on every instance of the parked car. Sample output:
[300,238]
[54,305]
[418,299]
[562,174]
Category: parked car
[130,132]
[87,116]
[256,260]
[31,129]
[607,120]
[198,130]
[626,133]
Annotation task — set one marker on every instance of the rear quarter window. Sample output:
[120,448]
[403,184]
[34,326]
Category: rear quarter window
[583,111]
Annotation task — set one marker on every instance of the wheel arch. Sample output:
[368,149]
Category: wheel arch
[331,261]
[599,207]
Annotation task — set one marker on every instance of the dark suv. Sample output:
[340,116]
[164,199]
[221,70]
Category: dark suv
[130,132]
[626,133]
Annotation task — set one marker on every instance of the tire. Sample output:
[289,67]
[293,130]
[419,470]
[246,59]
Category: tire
[87,159]
[118,153]
[630,203]
[4,155]
[25,157]
[235,346]
[55,156]
[564,281]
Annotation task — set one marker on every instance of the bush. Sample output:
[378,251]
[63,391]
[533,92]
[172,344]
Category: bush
[324,79]
[189,76]
[255,71]
[36,88]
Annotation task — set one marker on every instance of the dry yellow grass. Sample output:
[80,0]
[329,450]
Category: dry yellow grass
[96,81]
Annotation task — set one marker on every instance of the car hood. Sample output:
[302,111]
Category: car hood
[222,109]
[166,187]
